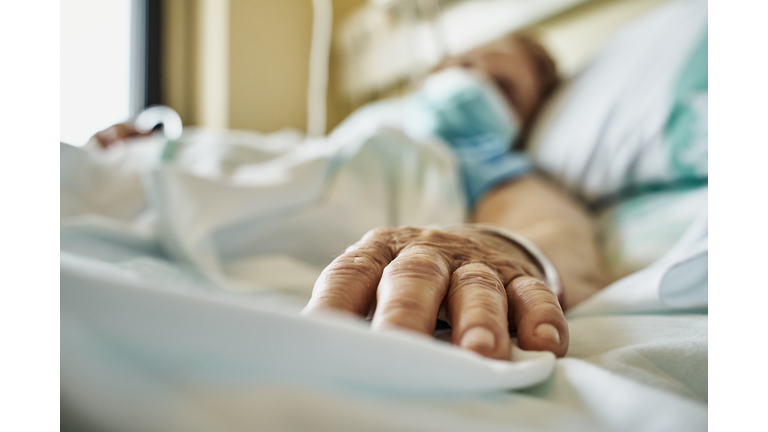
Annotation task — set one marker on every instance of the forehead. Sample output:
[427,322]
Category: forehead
[510,57]
[511,45]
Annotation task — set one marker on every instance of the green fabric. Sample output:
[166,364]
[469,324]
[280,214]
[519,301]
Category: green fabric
[686,131]
[639,230]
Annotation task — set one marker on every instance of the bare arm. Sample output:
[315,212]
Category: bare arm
[487,285]
[558,224]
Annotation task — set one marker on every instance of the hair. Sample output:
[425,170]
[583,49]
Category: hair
[546,70]
[545,65]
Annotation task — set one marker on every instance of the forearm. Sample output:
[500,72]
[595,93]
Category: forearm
[559,225]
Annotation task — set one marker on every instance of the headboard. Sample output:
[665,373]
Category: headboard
[387,45]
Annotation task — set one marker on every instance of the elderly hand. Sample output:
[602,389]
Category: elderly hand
[115,133]
[487,285]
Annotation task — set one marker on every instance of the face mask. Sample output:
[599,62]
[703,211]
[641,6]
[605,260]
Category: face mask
[465,109]
[469,113]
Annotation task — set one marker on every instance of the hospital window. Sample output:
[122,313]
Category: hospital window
[109,63]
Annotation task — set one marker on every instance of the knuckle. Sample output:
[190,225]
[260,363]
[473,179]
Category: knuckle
[527,283]
[433,235]
[353,266]
[373,247]
[380,232]
[422,264]
[475,268]
[532,293]
[381,235]
[453,240]
[393,239]
[490,306]
[478,276]
[476,301]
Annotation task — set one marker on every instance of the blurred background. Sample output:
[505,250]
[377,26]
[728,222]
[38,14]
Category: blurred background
[247,64]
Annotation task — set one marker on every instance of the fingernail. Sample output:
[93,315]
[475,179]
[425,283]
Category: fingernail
[548,332]
[478,338]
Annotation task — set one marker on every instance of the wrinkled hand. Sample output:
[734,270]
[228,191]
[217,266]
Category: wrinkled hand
[487,286]
[115,133]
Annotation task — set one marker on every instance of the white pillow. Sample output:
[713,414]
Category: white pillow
[603,131]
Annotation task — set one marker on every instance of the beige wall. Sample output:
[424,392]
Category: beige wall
[259,74]
[269,63]
[266,68]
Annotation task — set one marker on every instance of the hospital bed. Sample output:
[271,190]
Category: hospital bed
[197,328]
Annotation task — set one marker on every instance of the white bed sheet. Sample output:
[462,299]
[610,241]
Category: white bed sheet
[129,362]
[124,368]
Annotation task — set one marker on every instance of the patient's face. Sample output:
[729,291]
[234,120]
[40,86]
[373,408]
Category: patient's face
[523,70]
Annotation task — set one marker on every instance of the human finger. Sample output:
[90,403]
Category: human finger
[349,283]
[537,316]
[477,308]
[412,289]
[115,133]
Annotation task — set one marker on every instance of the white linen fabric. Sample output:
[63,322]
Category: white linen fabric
[637,231]
[205,335]
[142,356]
[147,347]
[209,336]
[230,203]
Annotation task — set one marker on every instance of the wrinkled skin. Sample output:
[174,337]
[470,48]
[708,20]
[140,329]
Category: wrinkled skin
[115,134]
[486,284]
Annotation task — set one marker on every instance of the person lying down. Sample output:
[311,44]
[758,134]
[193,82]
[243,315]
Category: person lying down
[493,248]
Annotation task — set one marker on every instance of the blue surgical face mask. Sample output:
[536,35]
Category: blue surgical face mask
[465,109]
[468,112]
